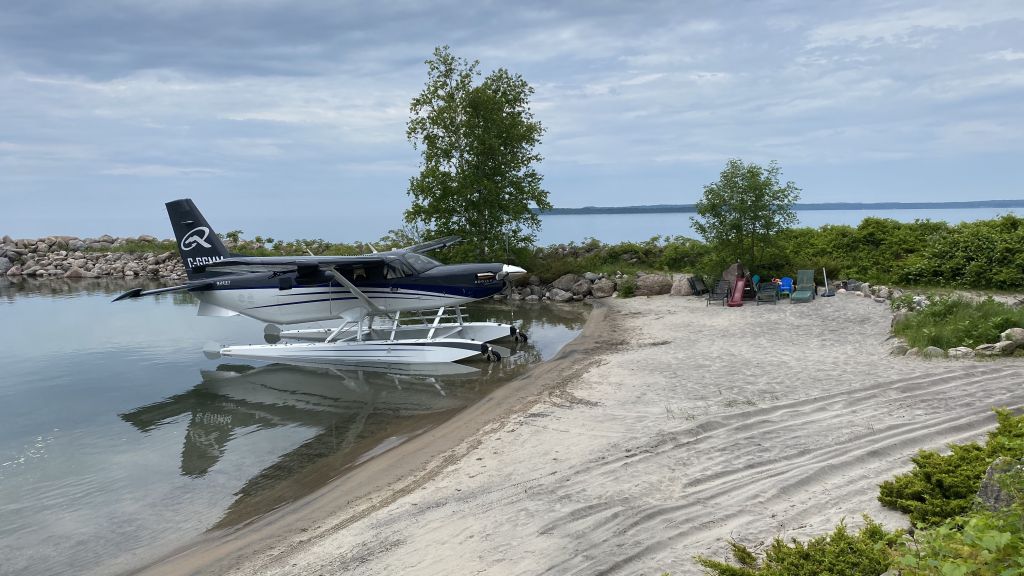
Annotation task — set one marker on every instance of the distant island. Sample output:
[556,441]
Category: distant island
[692,208]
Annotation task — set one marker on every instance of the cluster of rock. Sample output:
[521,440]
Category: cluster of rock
[1009,341]
[573,287]
[72,257]
[880,294]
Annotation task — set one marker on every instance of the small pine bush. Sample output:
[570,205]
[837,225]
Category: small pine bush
[865,553]
[941,487]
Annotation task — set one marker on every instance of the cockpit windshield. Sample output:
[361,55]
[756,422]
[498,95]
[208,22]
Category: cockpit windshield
[420,263]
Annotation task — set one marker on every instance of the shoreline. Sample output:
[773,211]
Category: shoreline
[664,430]
[387,477]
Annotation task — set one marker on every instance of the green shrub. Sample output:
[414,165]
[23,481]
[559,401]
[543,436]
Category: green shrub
[941,487]
[948,322]
[981,544]
[626,287]
[867,553]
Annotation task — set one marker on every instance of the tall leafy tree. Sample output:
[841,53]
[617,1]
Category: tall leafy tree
[745,208]
[478,141]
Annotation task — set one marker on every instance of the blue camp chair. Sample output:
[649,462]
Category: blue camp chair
[786,286]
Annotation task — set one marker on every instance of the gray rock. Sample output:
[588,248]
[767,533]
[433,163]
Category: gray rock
[532,299]
[960,352]
[14,271]
[992,495]
[879,299]
[581,288]
[7,239]
[898,317]
[603,288]
[106,238]
[559,295]
[681,285]
[653,285]
[592,276]
[577,298]
[913,352]
[1013,335]
[42,248]
[985,350]
[899,350]
[933,352]
[147,238]
[865,289]
[76,272]
[565,282]
[5,265]
[1005,347]
[534,279]
[883,292]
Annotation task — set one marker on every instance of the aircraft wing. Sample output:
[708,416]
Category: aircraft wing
[434,244]
[288,263]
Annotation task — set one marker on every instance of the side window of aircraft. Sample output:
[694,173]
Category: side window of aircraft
[420,263]
[394,270]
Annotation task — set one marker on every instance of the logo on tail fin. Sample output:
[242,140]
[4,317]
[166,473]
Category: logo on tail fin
[196,236]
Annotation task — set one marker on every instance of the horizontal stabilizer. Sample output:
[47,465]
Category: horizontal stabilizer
[139,292]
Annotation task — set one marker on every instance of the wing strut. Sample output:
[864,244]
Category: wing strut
[370,306]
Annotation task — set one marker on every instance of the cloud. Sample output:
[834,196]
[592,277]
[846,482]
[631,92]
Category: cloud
[162,171]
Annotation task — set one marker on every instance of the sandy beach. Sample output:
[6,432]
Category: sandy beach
[666,429]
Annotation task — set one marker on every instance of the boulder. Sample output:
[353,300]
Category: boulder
[5,265]
[960,352]
[653,285]
[581,288]
[1013,335]
[992,495]
[603,288]
[879,299]
[913,352]
[107,238]
[899,350]
[985,350]
[7,239]
[883,292]
[76,272]
[147,238]
[534,279]
[559,295]
[14,271]
[865,289]
[898,317]
[565,282]
[933,352]
[1005,347]
[592,276]
[681,285]
[532,299]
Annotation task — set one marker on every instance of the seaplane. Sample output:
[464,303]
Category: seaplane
[368,294]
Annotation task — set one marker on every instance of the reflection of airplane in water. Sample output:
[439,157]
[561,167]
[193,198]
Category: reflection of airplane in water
[356,413]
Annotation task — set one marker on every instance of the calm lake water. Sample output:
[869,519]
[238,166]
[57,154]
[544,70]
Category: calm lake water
[614,228]
[120,441]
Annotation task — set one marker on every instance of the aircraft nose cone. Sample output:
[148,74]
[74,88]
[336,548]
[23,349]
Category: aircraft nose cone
[512,272]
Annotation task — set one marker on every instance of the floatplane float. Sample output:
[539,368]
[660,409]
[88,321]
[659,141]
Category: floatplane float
[399,306]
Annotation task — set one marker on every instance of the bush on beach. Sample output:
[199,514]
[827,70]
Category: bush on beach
[951,321]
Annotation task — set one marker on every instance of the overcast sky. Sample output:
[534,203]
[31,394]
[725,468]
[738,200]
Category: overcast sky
[288,118]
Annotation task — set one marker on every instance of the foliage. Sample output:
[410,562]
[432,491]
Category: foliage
[867,553]
[627,287]
[951,321]
[941,487]
[745,209]
[478,142]
[981,544]
[137,247]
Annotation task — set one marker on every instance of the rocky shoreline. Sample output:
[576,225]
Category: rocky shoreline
[73,257]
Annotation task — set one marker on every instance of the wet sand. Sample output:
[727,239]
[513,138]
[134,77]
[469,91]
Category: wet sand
[665,429]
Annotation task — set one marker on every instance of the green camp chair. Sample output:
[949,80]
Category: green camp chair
[805,290]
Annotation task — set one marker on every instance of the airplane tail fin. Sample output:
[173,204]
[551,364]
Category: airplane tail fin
[198,244]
